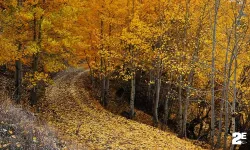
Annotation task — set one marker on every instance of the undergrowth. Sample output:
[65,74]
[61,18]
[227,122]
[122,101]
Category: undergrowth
[20,130]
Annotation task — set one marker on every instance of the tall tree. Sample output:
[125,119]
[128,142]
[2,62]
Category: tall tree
[235,55]
[18,71]
[184,134]
[217,4]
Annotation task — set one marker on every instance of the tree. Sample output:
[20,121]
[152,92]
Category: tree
[135,48]
[217,4]
[24,23]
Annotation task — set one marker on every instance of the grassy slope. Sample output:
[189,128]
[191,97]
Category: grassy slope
[78,117]
[19,128]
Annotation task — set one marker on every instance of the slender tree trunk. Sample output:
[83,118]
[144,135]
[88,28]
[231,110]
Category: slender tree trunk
[133,76]
[193,61]
[232,59]
[132,97]
[226,88]
[18,71]
[106,92]
[237,23]
[234,97]
[225,92]
[180,107]
[106,99]
[217,4]
[103,84]
[218,144]
[234,82]
[184,49]
[227,128]
[33,92]
[166,112]
[133,71]
[37,37]
[18,79]
[103,77]
[149,86]
[227,84]
[187,103]
[166,103]
[157,93]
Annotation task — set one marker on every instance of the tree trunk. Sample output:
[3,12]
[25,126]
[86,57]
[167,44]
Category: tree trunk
[18,71]
[180,107]
[224,100]
[107,74]
[187,103]
[217,4]
[237,23]
[106,92]
[103,78]
[227,128]
[33,92]
[149,86]
[103,85]
[132,97]
[193,61]
[234,97]
[157,96]
[226,88]
[166,112]
[18,79]
[166,103]
[184,134]
[226,116]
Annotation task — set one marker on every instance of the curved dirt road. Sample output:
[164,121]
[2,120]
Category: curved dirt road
[78,118]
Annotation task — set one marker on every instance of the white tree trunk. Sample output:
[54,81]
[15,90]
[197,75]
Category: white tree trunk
[217,3]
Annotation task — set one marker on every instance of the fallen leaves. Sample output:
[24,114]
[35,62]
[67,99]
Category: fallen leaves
[99,128]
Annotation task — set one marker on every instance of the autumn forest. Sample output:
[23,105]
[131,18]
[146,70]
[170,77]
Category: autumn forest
[124,74]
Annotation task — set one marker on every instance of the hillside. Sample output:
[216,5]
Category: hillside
[79,118]
[20,129]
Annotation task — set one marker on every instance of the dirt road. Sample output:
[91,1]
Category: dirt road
[79,118]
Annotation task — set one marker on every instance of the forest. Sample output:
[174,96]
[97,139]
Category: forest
[179,66]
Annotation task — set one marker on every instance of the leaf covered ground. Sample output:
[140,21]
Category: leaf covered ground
[20,129]
[79,118]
